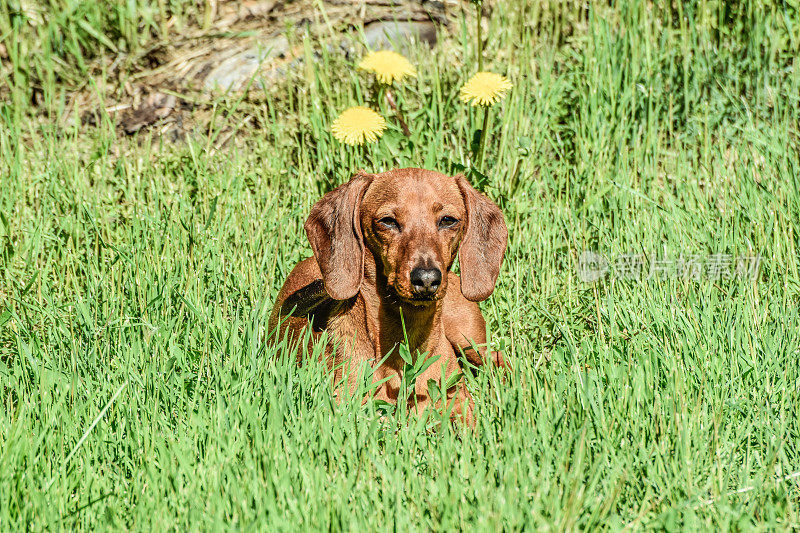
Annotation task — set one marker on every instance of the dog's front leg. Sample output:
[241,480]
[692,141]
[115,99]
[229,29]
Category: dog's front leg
[465,328]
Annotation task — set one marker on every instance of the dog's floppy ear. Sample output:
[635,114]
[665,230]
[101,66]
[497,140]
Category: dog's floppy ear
[334,230]
[483,244]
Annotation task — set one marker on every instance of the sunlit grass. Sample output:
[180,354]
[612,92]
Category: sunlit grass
[147,270]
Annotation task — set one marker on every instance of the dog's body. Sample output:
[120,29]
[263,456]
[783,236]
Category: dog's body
[383,248]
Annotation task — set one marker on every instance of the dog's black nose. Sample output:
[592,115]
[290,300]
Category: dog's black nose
[426,281]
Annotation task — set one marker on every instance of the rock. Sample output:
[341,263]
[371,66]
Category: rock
[234,72]
[267,60]
[247,45]
[398,36]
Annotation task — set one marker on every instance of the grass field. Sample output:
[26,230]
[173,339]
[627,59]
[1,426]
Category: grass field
[137,276]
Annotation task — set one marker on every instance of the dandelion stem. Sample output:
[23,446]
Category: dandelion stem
[482,143]
[479,5]
[397,113]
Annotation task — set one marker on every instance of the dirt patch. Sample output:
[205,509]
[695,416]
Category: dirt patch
[254,45]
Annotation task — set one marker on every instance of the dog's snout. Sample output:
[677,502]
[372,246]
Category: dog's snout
[426,281]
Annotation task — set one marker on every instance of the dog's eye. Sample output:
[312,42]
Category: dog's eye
[447,222]
[389,222]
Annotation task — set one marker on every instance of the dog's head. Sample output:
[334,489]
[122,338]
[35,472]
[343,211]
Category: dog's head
[413,222]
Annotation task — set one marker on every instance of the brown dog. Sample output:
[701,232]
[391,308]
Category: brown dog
[383,248]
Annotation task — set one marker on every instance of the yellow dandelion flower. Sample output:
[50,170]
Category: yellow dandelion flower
[358,125]
[485,88]
[388,66]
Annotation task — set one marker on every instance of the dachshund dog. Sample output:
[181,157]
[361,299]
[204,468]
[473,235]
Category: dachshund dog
[383,248]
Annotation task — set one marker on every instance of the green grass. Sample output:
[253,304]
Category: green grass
[137,276]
